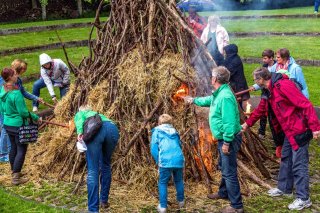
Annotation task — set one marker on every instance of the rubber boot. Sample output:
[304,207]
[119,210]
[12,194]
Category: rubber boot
[17,180]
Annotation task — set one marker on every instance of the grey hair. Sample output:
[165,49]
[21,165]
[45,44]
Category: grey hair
[262,72]
[85,108]
[214,18]
[222,74]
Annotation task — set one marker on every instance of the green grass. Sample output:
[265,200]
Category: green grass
[47,23]
[300,47]
[272,25]
[42,38]
[311,74]
[290,11]
[11,203]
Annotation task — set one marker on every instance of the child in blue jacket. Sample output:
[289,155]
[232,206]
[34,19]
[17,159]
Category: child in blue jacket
[167,152]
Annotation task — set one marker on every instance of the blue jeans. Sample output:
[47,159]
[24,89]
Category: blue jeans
[98,155]
[316,5]
[294,170]
[39,84]
[4,143]
[164,177]
[229,187]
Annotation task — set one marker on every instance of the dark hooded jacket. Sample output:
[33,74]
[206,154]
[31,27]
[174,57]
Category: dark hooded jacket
[234,64]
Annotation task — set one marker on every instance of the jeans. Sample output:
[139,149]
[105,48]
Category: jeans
[164,177]
[229,185]
[263,125]
[39,84]
[294,170]
[316,5]
[4,143]
[98,155]
[18,151]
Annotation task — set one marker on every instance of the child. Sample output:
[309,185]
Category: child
[167,152]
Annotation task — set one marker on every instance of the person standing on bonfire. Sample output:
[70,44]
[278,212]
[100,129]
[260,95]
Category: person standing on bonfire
[224,121]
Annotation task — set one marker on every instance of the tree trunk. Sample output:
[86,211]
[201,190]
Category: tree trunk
[34,4]
[79,4]
[44,11]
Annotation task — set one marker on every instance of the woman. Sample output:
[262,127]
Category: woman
[15,112]
[98,155]
[219,38]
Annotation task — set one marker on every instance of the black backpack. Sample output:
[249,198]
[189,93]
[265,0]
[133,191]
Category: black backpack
[91,127]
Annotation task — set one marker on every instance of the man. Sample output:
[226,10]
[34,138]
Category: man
[268,62]
[196,22]
[224,121]
[54,73]
[295,116]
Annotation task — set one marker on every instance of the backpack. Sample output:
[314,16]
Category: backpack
[91,127]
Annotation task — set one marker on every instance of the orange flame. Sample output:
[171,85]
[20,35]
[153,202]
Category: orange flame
[182,91]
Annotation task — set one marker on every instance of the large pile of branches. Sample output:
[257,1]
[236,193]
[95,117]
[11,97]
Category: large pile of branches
[141,56]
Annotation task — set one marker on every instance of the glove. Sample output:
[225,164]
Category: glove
[188,99]
[278,151]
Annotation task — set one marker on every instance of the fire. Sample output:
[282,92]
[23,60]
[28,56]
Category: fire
[182,91]
[248,108]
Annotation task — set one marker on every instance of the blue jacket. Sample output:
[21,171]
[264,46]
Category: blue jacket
[166,147]
[25,94]
[295,73]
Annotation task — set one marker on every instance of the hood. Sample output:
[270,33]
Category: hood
[3,94]
[292,60]
[167,129]
[276,77]
[231,49]
[44,58]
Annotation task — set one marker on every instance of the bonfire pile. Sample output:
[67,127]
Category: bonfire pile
[144,60]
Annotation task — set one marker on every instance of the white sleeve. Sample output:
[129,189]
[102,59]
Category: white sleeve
[48,82]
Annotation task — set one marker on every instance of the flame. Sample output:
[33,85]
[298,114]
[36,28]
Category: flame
[206,140]
[182,91]
[248,108]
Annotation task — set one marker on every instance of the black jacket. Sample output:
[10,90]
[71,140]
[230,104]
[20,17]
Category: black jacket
[234,64]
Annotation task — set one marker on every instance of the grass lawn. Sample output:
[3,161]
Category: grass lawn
[42,38]
[10,203]
[311,74]
[289,11]
[47,23]
[272,25]
[299,47]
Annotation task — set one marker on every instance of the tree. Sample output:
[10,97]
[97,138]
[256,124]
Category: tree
[79,5]
[34,4]
[44,4]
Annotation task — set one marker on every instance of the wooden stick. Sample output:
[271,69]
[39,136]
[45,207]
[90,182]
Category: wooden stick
[47,104]
[242,92]
[55,123]
[252,176]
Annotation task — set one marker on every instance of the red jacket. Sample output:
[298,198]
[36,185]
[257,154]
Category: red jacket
[198,25]
[294,113]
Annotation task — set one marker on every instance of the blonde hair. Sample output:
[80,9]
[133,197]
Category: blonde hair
[18,65]
[164,119]
[85,107]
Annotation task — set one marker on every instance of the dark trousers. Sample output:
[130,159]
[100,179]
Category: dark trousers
[263,125]
[294,170]
[316,5]
[18,151]
[229,186]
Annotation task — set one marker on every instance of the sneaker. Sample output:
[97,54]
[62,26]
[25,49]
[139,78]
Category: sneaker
[230,209]
[275,192]
[181,204]
[262,137]
[35,109]
[4,159]
[161,210]
[299,204]
[316,12]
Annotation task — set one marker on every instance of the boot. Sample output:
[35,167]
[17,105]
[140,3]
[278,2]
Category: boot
[215,196]
[230,209]
[17,180]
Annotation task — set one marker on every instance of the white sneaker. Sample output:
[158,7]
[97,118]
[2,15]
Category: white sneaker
[316,12]
[299,204]
[161,210]
[275,192]
[181,204]
[35,109]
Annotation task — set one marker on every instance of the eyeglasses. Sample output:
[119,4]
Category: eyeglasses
[256,79]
